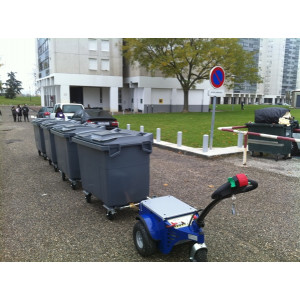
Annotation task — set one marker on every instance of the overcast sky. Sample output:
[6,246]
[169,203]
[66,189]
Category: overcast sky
[18,55]
[168,18]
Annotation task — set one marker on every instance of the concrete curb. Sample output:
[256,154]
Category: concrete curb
[215,152]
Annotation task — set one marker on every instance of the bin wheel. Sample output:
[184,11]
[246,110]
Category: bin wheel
[55,169]
[294,150]
[109,215]
[88,198]
[73,185]
[45,157]
[50,162]
[63,176]
[201,255]
[39,152]
[143,242]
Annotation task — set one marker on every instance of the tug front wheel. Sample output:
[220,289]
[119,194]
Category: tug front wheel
[201,255]
[144,244]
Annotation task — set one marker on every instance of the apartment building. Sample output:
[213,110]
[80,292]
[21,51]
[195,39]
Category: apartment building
[246,92]
[149,94]
[85,70]
[92,71]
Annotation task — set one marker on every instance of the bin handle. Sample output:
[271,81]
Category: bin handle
[147,146]
[114,151]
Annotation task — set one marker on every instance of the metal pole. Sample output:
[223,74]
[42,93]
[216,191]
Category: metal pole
[179,138]
[128,126]
[205,143]
[212,123]
[158,134]
[245,149]
[240,139]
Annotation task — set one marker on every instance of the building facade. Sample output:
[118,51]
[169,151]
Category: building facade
[149,94]
[92,71]
[86,71]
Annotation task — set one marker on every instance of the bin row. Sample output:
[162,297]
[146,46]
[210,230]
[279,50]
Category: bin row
[113,165]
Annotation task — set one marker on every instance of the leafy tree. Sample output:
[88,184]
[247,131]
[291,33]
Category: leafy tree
[191,59]
[13,86]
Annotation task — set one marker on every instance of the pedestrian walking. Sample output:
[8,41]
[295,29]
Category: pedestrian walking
[25,111]
[14,113]
[19,113]
[242,105]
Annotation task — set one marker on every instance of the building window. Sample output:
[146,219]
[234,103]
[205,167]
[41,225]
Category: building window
[93,44]
[104,45]
[93,65]
[105,64]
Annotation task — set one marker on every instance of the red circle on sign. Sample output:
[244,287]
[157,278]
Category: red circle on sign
[217,77]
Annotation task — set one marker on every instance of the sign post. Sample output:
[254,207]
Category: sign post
[216,78]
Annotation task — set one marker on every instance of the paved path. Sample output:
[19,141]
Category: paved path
[43,219]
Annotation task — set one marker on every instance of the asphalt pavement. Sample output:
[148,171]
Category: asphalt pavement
[43,220]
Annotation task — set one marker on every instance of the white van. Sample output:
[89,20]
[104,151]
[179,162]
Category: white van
[68,109]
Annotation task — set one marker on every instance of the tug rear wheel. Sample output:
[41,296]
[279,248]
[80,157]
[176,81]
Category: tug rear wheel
[144,244]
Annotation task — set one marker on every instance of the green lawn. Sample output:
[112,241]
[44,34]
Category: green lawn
[195,125]
[192,125]
[30,101]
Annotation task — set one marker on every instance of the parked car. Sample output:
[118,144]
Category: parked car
[45,112]
[68,109]
[96,116]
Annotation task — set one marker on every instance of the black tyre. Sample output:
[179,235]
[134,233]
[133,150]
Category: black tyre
[143,242]
[109,215]
[63,176]
[201,255]
[294,150]
[73,185]
[88,198]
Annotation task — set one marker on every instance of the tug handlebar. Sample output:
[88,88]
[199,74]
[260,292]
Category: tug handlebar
[235,185]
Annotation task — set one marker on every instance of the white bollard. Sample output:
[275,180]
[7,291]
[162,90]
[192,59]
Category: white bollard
[141,128]
[128,126]
[179,138]
[158,134]
[240,139]
[205,143]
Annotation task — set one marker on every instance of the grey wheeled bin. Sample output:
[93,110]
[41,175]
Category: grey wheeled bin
[49,139]
[39,136]
[66,150]
[114,167]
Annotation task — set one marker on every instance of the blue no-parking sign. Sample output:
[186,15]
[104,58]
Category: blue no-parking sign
[217,77]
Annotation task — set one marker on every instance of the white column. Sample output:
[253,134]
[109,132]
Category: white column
[43,96]
[64,94]
[113,99]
